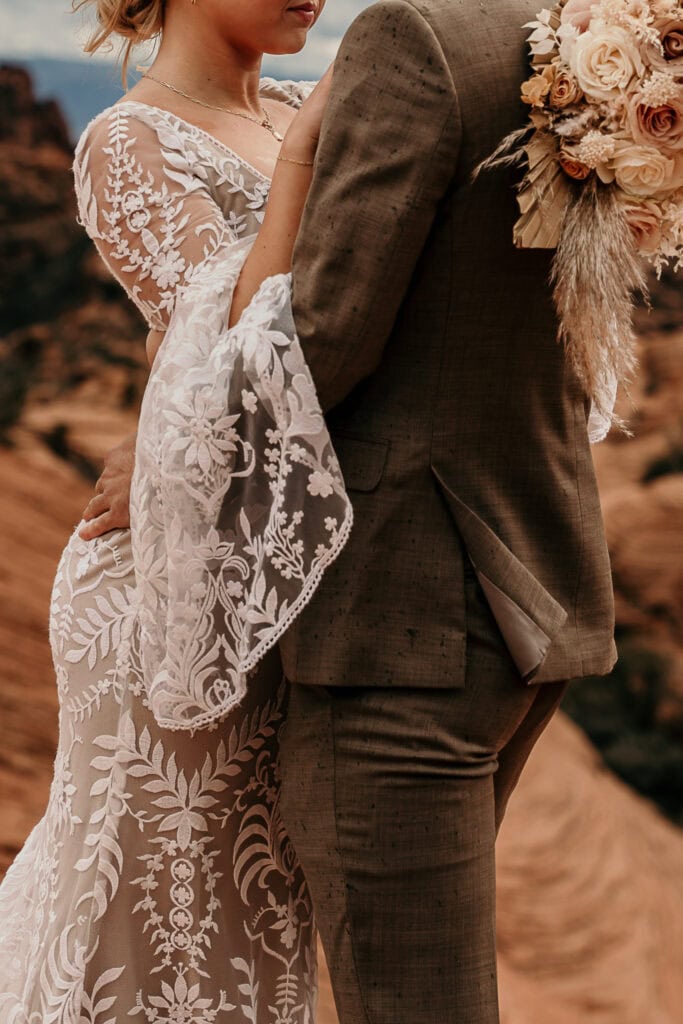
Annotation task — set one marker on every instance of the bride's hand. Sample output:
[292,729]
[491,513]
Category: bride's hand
[301,139]
[110,508]
[271,252]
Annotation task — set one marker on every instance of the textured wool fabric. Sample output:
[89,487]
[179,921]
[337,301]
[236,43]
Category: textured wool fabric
[432,341]
[393,799]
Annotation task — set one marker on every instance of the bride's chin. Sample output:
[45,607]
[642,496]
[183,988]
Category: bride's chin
[294,42]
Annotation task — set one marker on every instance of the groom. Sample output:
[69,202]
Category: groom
[476,581]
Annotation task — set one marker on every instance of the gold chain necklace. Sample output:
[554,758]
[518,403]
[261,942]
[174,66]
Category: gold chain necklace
[264,122]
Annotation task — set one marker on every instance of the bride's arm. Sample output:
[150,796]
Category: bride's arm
[153,224]
[109,508]
[153,344]
[272,250]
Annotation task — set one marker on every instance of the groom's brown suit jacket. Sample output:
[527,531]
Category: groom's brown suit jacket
[458,425]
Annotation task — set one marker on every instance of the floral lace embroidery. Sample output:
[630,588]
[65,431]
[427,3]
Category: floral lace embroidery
[152,215]
[238,503]
[161,882]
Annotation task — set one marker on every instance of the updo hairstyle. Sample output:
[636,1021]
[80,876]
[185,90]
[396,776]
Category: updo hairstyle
[133,21]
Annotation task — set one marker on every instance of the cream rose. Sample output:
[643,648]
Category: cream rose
[644,218]
[660,126]
[578,13]
[643,170]
[605,61]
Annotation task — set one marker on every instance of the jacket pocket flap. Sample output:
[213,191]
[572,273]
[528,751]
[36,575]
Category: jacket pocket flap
[529,618]
[362,460]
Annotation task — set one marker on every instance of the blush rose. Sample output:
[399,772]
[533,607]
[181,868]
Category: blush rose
[644,218]
[573,167]
[661,126]
[577,13]
[671,36]
[643,170]
[673,43]
[565,91]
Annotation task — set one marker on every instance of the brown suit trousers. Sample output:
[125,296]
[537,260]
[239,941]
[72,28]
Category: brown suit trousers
[393,799]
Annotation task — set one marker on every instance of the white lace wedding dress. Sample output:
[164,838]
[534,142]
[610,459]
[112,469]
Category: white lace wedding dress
[161,883]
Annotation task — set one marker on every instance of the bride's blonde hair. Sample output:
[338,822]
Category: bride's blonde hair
[133,21]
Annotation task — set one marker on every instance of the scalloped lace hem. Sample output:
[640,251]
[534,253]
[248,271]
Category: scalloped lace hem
[303,598]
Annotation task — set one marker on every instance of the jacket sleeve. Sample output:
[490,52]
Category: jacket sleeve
[387,153]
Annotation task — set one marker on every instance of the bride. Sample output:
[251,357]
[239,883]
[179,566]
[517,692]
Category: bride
[161,882]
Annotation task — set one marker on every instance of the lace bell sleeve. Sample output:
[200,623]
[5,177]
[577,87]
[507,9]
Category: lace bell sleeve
[238,504]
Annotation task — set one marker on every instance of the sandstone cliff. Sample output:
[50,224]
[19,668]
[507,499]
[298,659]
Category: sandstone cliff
[65,328]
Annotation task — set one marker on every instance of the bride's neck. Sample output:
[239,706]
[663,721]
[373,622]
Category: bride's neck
[207,67]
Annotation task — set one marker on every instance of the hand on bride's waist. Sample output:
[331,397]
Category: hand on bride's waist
[109,509]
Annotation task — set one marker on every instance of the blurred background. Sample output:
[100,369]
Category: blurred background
[590,858]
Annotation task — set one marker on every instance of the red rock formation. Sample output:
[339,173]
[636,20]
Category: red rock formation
[65,325]
[41,245]
[590,895]
[23,119]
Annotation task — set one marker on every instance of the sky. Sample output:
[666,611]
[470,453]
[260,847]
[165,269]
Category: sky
[48,28]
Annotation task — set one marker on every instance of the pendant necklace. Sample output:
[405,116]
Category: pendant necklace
[263,122]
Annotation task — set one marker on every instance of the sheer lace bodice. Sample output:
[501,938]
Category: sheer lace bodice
[159,196]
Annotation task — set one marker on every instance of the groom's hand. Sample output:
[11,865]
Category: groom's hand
[110,507]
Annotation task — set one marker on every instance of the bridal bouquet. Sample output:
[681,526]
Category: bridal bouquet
[604,178]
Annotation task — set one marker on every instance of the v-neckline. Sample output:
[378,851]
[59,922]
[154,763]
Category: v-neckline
[194,128]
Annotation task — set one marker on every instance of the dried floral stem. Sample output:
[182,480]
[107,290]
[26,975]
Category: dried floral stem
[508,153]
[596,272]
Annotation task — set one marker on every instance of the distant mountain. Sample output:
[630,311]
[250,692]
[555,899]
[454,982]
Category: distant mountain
[82,88]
